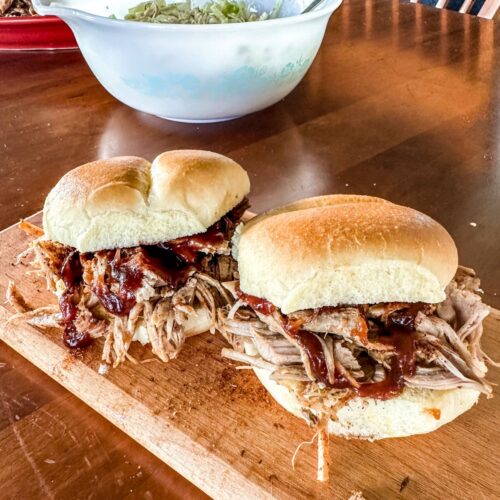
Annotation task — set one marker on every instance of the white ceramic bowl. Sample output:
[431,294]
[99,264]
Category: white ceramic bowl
[195,73]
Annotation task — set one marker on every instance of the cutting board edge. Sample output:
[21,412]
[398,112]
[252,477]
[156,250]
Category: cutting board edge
[66,370]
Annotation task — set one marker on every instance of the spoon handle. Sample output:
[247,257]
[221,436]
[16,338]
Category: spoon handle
[311,6]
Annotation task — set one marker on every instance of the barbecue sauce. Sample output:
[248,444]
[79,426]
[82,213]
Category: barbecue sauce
[170,266]
[256,303]
[127,273]
[314,350]
[402,365]
[189,247]
[399,334]
[434,412]
[405,318]
[71,274]
[312,347]
[306,340]
[361,330]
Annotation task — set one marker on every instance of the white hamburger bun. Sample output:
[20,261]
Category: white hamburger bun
[126,201]
[415,411]
[340,249]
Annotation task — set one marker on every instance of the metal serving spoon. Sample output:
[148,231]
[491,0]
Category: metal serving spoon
[312,6]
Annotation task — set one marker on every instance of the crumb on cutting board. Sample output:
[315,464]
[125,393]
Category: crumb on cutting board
[404,483]
[356,495]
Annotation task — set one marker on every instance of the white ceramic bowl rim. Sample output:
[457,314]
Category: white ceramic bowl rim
[325,9]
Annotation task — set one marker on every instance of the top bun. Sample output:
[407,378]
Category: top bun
[342,249]
[126,201]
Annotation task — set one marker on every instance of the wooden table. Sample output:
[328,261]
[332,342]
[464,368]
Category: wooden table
[402,102]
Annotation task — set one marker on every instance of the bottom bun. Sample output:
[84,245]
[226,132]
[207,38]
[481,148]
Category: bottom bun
[415,411]
[199,321]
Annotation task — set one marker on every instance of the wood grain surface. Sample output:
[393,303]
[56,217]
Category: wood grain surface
[401,102]
[218,427]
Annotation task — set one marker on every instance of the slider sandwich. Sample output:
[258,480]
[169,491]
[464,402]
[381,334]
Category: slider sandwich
[137,251]
[356,317]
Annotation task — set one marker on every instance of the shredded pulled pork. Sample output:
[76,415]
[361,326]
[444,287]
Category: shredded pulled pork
[326,356]
[157,294]
[358,345]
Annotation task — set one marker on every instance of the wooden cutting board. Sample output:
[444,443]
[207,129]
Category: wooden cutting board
[218,427]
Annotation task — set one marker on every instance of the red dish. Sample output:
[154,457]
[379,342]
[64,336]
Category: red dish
[35,33]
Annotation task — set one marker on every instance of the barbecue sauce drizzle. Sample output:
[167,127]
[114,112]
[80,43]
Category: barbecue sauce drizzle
[306,340]
[399,334]
[71,274]
[128,275]
[402,365]
[312,347]
[188,247]
[173,261]
[129,279]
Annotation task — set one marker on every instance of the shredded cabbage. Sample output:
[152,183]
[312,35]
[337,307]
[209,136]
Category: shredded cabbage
[212,12]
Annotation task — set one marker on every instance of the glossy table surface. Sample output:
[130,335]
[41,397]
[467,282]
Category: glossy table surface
[403,102]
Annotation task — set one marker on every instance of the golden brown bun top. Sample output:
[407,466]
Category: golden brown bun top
[126,201]
[343,249]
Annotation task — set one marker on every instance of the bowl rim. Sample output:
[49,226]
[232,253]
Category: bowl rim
[35,19]
[67,12]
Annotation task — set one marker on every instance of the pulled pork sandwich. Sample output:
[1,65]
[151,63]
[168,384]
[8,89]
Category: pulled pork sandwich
[356,317]
[137,251]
